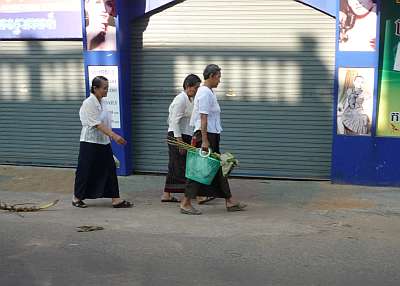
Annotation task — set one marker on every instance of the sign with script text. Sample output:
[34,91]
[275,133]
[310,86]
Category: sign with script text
[40,19]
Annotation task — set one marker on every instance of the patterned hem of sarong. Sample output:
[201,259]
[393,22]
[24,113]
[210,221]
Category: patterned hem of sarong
[175,180]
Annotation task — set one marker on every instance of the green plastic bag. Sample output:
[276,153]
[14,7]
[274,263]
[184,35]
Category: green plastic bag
[201,168]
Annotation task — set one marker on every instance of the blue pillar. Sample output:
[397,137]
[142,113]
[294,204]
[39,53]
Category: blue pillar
[363,159]
[114,64]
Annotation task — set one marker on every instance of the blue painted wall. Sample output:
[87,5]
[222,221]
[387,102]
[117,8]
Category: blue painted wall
[363,160]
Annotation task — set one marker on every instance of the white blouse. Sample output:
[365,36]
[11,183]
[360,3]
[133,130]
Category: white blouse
[180,111]
[205,102]
[92,113]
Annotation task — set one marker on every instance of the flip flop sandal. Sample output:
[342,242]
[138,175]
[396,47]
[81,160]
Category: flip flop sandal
[124,204]
[208,199]
[237,207]
[191,211]
[170,200]
[79,204]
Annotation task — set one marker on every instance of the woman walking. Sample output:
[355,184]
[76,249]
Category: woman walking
[180,111]
[96,175]
[207,125]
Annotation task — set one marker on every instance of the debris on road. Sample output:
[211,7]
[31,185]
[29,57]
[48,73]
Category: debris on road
[24,208]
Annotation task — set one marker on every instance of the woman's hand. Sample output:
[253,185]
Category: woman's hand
[114,136]
[181,151]
[118,139]
[205,145]
[98,24]
[96,35]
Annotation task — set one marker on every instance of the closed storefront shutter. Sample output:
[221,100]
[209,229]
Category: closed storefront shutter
[41,89]
[277,60]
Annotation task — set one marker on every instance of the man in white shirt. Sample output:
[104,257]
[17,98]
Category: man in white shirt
[207,126]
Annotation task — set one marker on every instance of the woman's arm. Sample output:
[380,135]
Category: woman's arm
[114,136]
[177,114]
[204,138]
[92,115]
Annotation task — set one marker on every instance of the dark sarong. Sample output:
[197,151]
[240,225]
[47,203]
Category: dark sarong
[219,187]
[96,175]
[176,180]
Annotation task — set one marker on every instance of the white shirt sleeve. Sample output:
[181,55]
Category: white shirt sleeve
[204,102]
[92,114]
[178,111]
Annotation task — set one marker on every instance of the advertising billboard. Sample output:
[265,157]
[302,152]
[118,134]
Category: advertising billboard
[389,65]
[100,25]
[357,25]
[40,19]
[355,101]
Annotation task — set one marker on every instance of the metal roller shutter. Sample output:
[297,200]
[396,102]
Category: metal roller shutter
[41,89]
[277,60]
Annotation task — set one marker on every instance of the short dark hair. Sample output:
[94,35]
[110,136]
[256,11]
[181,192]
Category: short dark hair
[191,80]
[96,82]
[210,70]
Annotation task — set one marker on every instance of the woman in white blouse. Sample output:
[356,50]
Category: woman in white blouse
[207,126]
[180,111]
[96,172]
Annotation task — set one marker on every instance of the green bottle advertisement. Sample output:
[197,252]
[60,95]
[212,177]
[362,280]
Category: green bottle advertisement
[389,65]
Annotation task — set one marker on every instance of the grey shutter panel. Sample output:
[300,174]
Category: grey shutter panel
[41,89]
[277,60]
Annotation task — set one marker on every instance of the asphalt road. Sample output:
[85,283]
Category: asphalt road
[293,233]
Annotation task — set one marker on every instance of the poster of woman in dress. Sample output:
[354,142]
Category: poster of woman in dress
[355,101]
[357,25]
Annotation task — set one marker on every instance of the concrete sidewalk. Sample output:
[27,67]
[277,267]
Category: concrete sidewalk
[293,233]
